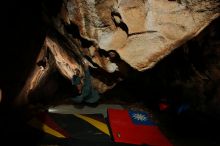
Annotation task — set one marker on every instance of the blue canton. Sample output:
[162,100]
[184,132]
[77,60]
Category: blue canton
[140,118]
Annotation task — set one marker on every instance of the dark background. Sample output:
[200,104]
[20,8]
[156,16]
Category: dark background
[22,34]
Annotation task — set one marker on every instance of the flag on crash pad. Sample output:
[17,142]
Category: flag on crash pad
[135,127]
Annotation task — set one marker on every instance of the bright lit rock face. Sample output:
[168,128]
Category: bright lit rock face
[141,31]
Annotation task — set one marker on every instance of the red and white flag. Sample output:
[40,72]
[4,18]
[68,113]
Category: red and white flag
[135,127]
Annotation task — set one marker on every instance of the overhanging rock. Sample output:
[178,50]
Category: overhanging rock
[141,31]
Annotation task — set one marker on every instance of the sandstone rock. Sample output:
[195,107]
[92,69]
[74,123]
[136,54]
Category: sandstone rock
[141,32]
[148,30]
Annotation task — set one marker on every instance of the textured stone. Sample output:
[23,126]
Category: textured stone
[142,32]
[147,30]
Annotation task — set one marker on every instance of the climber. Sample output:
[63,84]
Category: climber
[86,91]
[76,81]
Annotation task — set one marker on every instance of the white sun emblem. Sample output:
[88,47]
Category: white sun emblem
[139,117]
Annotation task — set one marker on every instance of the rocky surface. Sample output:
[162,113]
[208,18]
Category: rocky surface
[113,37]
[141,31]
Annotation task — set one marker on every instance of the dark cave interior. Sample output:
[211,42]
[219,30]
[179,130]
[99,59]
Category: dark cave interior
[190,74]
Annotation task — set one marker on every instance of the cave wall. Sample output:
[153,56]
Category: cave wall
[22,35]
[139,31]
